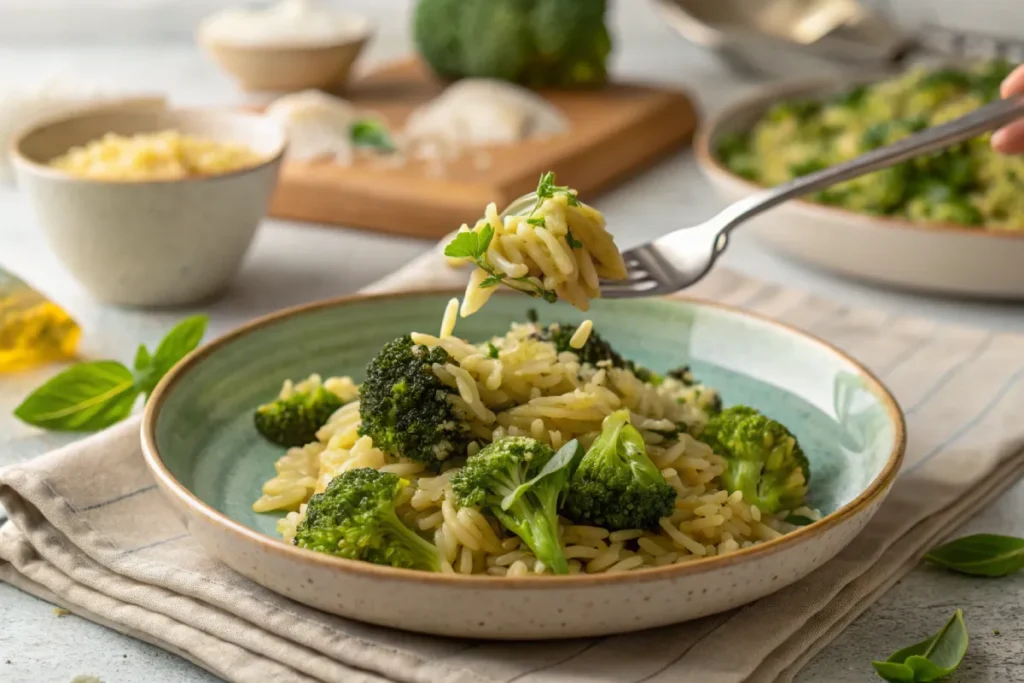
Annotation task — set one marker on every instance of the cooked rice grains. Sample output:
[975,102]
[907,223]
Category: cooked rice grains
[559,249]
[532,390]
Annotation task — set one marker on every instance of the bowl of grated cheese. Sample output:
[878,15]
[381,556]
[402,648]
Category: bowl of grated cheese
[287,47]
[151,208]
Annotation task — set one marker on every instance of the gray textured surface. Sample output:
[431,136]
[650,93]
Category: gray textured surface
[292,264]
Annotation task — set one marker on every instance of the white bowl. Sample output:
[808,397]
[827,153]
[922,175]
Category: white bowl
[150,243]
[939,258]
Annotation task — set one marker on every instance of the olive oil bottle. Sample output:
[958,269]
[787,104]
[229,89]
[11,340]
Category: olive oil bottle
[33,329]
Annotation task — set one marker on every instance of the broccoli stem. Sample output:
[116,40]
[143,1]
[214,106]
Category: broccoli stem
[424,553]
[538,531]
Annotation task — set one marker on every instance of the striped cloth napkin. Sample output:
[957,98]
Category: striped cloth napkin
[88,531]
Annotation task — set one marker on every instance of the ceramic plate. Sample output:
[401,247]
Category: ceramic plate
[932,257]
[210,463]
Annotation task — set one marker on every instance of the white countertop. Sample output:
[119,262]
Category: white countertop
[292,263]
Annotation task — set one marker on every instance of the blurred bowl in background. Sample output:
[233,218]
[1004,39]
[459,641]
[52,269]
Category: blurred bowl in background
[150,242]
[788,38]
[288,65]
[930,257]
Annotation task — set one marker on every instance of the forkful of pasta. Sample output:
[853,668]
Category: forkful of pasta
[551,245]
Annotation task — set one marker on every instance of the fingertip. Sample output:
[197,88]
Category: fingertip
[1014,83]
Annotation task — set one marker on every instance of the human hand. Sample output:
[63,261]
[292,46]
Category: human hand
[1010,138]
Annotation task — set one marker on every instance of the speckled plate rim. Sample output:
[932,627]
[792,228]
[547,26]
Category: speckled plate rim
[878,486]
[777,92]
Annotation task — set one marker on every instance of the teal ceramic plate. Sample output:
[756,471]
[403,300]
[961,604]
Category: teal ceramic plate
[210,463]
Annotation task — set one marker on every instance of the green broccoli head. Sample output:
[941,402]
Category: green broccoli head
[294,421]
[533,42]
[495,38]
[404,407]
[438,37]
[594,351]
[521,482]
[763,459]
[355,518]
[616,485]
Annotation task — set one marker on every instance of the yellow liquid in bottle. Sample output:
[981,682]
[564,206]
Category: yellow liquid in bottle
[33,329]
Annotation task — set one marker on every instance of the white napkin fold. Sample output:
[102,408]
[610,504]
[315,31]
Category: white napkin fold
[89,531]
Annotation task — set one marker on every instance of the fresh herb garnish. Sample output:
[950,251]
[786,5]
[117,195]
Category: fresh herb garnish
[490,281]
[929,660]
[94,395]
[371,133]
[536,220]
[470,244]
[573,242]
[492,350]
[980,555]
[546,189]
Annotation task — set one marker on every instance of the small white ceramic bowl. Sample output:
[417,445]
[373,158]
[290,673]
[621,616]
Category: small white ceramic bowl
[150,243]
[289,67]
[932,257]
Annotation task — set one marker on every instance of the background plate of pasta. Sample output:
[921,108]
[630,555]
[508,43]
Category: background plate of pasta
[527,471]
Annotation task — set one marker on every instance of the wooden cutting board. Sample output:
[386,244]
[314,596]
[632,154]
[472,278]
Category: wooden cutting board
[616,132]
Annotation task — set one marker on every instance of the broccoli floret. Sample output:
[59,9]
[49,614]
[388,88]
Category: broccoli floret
[437,36]
[616,485]
[294,421]
[594,351]
[763,458]
[521,482]
[355,518]
[404,407]
[533,42]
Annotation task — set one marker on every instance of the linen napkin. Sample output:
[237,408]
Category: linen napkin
[89,531]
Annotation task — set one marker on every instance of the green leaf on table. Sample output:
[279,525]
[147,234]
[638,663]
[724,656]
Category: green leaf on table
[84,398]
[470,244]
[980,555]
[142,359]
[929,660]
[179,342]
[371,133]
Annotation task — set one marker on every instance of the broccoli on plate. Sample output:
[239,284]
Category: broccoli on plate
[533,42]
[594,351]
[763,458]
[616,485]
[522,483]
[294,420]
[404,407]
[355,518]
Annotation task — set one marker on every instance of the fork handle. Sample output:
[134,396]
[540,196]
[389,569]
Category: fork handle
[981,120]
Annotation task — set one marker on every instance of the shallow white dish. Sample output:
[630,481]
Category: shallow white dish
[930,257]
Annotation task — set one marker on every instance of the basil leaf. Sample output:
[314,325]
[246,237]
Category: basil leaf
[573,242]
[182,339]
[565,460]
[371,133]
[85,397]
[179,342]
[142,358]
[931,659]
[980,555]
[894,672]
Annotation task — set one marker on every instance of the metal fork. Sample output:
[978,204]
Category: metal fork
[681,258]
